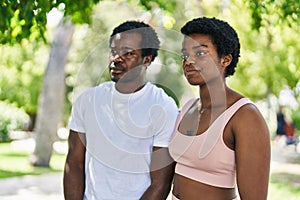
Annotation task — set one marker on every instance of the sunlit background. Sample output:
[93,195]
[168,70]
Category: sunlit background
[268,73]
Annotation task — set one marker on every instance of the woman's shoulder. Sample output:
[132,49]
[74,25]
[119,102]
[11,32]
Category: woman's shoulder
[248,115]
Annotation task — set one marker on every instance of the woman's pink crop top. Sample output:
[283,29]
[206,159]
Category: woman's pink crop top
[205,158]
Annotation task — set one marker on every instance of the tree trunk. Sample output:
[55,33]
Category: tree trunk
[31,122]
[52,97]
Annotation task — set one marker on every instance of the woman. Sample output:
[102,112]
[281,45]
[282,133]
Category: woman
[221,142]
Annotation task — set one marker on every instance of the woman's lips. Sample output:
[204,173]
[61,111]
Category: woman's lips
[191,70]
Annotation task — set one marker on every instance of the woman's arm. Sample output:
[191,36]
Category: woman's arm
[252,146]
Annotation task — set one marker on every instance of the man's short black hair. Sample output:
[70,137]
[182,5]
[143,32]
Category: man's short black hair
[150,42]
[223,36]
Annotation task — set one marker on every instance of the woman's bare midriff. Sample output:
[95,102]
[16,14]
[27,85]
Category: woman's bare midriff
[188,189]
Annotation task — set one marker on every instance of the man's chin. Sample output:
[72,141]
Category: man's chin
[121,80]
[115,77]
[126,77]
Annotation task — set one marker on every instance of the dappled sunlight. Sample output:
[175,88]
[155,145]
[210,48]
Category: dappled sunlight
[26,145]
[25,142]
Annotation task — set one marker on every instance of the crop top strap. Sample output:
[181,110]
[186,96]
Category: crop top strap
[232,109]
[215,131]
[184,109]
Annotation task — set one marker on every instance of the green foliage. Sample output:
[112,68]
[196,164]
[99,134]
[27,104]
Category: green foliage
[296,119]
[19,19]
[163,4]
[285,10]
[11,118]
[28,19]
[169,92]
[268,57]
[78,9]
[22,68]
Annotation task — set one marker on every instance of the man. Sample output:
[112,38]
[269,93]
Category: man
[120,129]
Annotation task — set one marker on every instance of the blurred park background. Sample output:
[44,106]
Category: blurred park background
[51,51]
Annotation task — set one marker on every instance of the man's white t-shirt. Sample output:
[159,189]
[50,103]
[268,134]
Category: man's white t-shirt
[121,130]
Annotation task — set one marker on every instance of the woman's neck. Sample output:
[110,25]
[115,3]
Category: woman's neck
[213,97]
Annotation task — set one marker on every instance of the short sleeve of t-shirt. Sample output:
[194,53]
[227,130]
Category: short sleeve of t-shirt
[76,122]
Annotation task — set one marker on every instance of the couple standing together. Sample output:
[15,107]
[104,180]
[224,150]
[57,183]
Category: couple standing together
[129,141]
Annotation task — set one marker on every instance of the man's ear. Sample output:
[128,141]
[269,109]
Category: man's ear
[147,60]
[226,60]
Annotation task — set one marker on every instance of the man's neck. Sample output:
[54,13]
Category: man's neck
[130,87]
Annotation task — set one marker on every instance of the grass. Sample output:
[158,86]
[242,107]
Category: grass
[284,186]
[15,162]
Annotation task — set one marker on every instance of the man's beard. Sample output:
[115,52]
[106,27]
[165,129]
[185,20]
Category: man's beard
[126,76]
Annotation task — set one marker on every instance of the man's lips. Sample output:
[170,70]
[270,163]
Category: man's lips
[116,69]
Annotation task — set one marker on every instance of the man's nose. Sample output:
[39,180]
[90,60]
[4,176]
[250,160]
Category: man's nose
[116,58]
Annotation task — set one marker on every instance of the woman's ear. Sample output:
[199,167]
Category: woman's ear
[226,60]
[147,60]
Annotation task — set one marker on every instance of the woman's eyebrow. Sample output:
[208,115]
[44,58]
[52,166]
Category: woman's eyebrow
[195,47]
[199,46]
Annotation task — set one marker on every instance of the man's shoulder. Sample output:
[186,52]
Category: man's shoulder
[102,87]
[162,93]
[108,85]
[92,91]
[157,89]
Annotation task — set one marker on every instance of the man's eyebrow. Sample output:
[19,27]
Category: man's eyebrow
[130,48]
[126,47]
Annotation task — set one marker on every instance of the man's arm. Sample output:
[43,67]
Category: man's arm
[74,174]
[162,171]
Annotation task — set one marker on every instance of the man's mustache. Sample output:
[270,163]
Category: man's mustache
[116,66]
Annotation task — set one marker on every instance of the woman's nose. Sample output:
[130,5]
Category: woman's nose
[189,61]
